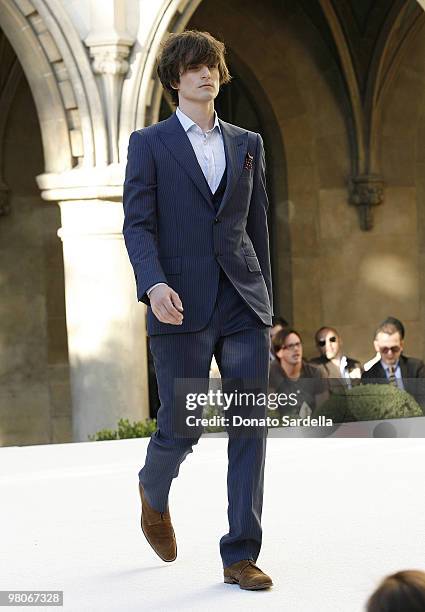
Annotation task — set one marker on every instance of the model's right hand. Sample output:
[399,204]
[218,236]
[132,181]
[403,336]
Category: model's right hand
[166,305]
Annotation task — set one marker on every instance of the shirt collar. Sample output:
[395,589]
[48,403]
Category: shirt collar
[387,367]
[187,122]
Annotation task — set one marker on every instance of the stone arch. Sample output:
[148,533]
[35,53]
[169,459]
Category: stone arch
[12,78]
[142,91]
[61,81]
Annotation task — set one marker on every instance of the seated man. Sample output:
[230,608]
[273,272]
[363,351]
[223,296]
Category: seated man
[400,327]
[336,366]
[395,368]
[290,374]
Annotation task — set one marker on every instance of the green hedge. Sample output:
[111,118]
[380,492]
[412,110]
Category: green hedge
[138,429]
[368,403]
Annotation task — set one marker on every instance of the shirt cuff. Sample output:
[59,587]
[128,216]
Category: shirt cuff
[153,287]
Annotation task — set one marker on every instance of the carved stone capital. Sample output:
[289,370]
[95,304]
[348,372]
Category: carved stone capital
[365,192]
[110,59]
[110,62]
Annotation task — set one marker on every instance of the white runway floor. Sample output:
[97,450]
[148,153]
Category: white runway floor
[338,514]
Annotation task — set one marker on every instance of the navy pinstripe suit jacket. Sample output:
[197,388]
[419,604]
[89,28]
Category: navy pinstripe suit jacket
[173,233]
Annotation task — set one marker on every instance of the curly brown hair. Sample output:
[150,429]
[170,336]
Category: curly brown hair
[189,48]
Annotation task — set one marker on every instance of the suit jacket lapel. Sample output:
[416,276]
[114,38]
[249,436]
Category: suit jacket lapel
[235,147]
[177,142]
[403,366]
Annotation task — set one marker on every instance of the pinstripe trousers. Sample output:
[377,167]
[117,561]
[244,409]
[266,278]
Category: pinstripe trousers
[240,343]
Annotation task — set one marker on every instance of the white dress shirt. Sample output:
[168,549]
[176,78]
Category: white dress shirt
[208,147]
[344,371]
[209,150]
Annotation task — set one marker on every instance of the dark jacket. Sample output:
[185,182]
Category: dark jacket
[412,371]
[309,387]
[173,233]
[333,373]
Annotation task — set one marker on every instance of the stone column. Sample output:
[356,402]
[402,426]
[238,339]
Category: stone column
[110,43]
[106,324]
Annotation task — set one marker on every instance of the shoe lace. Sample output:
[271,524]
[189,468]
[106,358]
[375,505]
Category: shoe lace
[251,563]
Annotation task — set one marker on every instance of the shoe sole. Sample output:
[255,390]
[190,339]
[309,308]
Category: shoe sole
[256,587]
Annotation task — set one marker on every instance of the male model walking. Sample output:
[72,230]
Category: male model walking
[196,233]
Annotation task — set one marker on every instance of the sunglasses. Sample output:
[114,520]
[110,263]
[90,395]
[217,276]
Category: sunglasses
[323,342]
[293,346]
[387,349]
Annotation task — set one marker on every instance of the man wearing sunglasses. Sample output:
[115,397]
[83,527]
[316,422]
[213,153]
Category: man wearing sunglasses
[395,368]
[335,366]
[400,328]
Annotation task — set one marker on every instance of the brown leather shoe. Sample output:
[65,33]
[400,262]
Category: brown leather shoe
[247,575]
[158,530]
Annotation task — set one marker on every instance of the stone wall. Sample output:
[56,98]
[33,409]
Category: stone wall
[34,378]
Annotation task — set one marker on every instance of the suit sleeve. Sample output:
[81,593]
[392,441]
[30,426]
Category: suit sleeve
[256,226]
[140,216]
[420,373]
[415,370]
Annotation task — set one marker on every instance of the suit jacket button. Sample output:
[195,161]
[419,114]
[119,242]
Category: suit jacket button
[217,220]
